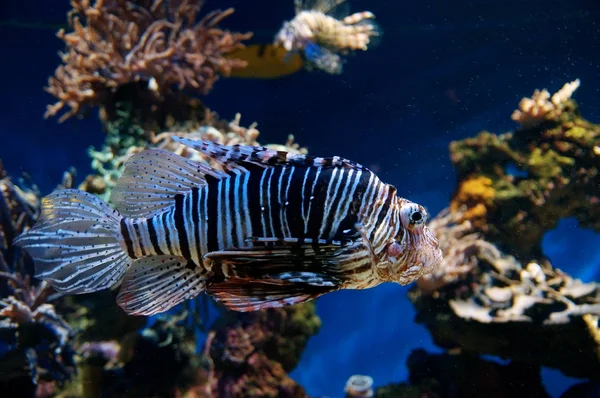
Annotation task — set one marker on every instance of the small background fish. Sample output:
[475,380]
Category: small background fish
[266,61]
[323,31]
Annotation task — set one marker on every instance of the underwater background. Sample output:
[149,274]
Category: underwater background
[442,72]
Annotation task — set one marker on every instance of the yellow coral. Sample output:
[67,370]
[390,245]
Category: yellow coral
[476,193]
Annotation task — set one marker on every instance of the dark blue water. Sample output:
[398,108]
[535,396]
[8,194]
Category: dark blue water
[443,71]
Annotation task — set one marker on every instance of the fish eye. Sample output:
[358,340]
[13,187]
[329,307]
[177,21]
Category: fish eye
[412,214]
[417,217]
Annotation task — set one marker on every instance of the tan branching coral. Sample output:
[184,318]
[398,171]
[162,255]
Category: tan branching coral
[159,43]
[542,107]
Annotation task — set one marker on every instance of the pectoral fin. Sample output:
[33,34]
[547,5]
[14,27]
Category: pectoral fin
[260,262]
[266,277]
[244,295]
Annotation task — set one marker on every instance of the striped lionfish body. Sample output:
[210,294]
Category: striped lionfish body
[270,229]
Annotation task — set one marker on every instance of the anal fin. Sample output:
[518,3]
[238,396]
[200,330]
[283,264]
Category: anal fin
[156,284]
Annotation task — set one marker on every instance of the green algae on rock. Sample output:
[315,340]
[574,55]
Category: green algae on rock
[536,175]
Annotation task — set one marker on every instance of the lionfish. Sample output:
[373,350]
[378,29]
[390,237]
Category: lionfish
[267,229]
[322,38]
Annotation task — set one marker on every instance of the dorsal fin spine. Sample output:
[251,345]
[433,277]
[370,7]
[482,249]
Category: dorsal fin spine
[262,156]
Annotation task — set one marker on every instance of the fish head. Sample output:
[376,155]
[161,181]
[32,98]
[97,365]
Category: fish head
[287,37]
[414,251]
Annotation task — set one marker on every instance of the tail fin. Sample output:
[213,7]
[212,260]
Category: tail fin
[76,243]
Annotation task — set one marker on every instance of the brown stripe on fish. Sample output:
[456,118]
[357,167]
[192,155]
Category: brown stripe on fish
[153,236]
[308,195]
[144,235]
[238,203]
[196,223]
[172,233]
[284,186]
[378,210]
[253,192]
[179,215]
[342,205]
[202,209]
[274,204]
[225,212]
[138,238]
[236,207]
[161,231]
[318,199]
[353,210]
[244,209]
[190,224]
[294,197]
[338,176]
[127,238]
[265,187]
[387,221]
[212,214]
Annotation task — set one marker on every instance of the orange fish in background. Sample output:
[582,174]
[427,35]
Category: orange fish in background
[266,61]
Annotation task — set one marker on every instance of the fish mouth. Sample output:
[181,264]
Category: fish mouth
[423,255]
[431,249]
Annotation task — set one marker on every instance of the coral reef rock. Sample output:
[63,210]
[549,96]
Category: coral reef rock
[464,375]
[518,185]
[253,352]
[36,355]
[484,301]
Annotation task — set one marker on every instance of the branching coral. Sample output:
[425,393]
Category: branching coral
[518,185]
[36,350]
[543,107]
[19,208]
[157,42]
[486,302]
